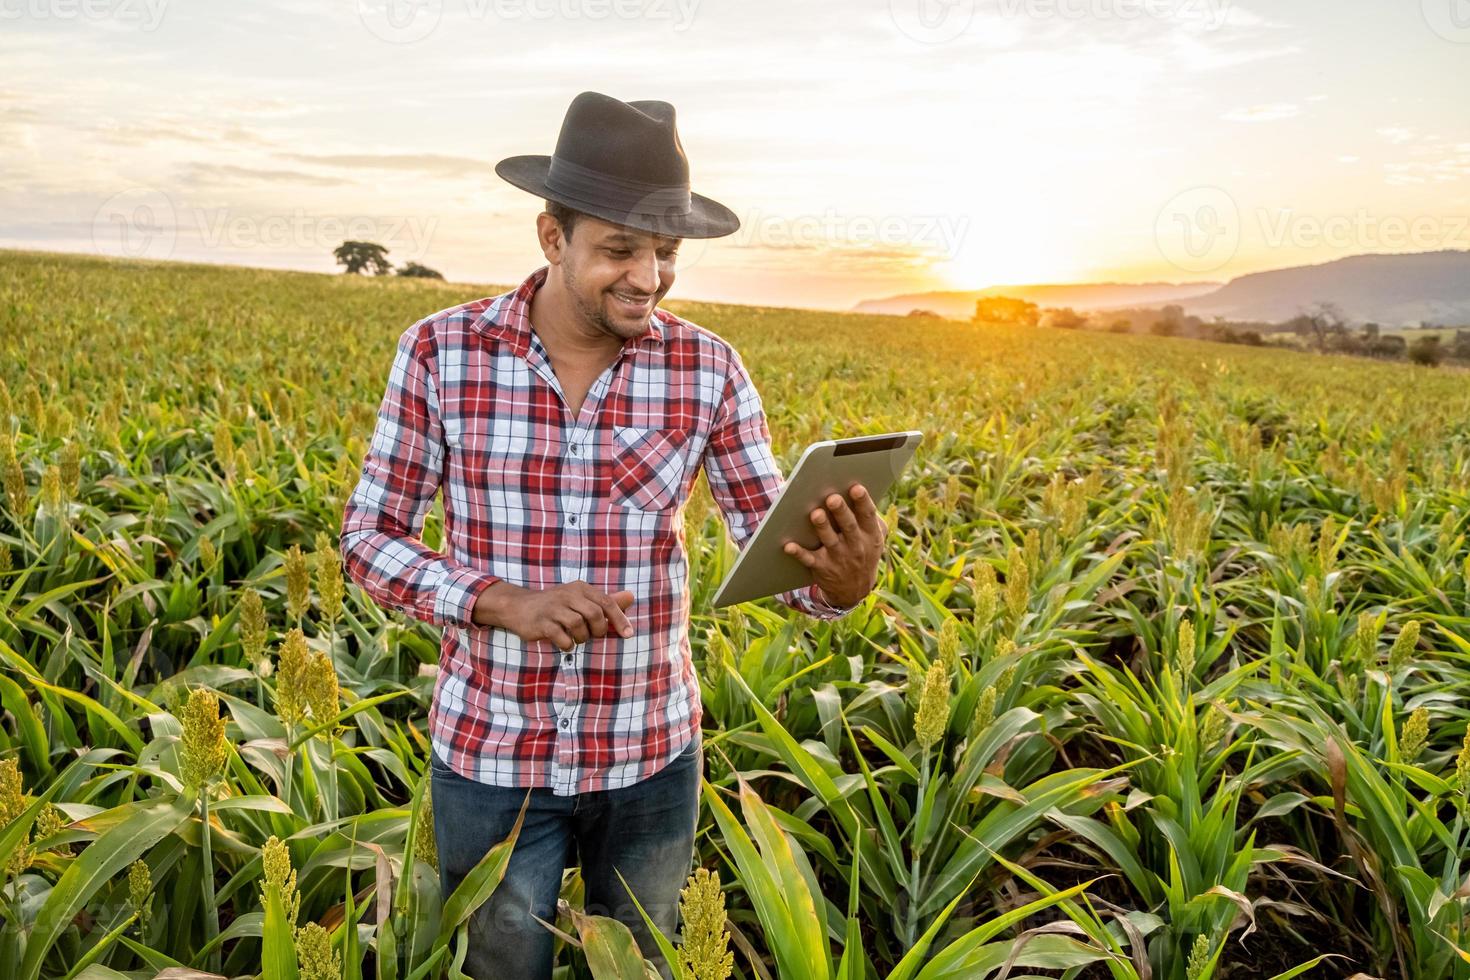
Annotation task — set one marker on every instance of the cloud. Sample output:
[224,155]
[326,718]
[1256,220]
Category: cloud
[215,173]
[431,164]
[183,131]
[1271,112]
[278,106]
[1455,166]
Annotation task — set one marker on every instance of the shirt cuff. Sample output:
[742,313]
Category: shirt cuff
[819,599]
[454,599]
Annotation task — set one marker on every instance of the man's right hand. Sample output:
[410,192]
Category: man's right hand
[565,614]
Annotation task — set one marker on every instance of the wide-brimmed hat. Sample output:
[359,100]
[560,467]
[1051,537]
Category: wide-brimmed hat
[622,162]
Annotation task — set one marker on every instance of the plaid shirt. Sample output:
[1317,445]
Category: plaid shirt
[539,498]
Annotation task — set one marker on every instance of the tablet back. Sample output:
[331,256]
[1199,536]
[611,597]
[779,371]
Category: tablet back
[826,467]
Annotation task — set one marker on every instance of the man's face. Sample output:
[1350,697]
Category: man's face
[616,275]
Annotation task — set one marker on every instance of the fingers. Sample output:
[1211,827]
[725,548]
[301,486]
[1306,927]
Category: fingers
[592,613]
[842,513]
[866,508]
[823,524]
[583,611]
[614,613]
[560,637]
[570,620]
[803,555]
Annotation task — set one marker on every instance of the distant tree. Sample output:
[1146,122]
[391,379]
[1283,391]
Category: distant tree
[1322,321]
[1164,328]
[1303,326]
[1063,318]
[1371,331]
[415,271]
[1216,331]
[1391,346]
[1120,326]
[1004,309]
[359,256]
[926,314]
[1347,343]
[1462,345]
[1426,350]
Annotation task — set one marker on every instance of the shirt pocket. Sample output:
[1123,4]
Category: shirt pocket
[648,466]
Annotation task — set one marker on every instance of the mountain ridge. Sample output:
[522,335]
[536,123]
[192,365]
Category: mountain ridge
[1392,289]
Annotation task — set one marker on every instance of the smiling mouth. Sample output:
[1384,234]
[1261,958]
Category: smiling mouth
[632,304]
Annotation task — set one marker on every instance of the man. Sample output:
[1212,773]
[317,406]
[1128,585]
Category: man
[566,422]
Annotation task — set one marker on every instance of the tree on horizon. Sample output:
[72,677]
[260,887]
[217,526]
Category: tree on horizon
[358,256]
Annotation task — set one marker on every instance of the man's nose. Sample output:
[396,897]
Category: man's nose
[643,276]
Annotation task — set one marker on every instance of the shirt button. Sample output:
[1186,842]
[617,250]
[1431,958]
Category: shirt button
[574,449]
[565,723]
[572,519]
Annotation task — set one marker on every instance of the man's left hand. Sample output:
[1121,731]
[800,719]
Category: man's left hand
[845,564]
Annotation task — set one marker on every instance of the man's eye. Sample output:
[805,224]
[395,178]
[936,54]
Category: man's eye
[618,253]
[670,255]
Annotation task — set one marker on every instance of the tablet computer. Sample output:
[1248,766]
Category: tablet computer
[827,467]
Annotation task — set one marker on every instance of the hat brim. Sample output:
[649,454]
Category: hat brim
[707,218]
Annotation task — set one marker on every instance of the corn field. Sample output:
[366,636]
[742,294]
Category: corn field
[1164,678]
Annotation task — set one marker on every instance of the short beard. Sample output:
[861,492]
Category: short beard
[595,314]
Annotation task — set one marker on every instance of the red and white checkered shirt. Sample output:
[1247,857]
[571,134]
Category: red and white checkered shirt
[539,498]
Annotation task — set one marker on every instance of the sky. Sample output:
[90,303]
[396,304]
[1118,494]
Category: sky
[869,147]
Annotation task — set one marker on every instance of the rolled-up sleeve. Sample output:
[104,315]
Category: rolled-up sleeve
[745,480]
[383,518]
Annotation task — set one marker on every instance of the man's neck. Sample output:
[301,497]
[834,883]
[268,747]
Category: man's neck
[554,318]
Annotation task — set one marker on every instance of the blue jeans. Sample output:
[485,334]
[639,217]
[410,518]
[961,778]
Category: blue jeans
[645,831]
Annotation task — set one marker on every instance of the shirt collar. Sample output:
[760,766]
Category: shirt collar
[508,317]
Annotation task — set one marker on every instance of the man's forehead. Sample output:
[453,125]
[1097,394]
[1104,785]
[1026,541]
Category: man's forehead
[623,235]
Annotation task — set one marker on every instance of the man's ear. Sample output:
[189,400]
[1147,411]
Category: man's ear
[553,240]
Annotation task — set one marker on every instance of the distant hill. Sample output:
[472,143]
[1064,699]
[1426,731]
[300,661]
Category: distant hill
[1392,290]
[1081,297]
